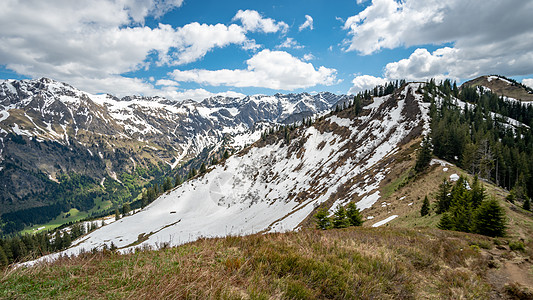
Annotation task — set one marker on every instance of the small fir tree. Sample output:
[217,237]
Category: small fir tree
[203,169]
[490,219]
[3,258]
[226,154]
[443,197]
[425,207]
[445,222]
[117,214]
[423,157]
[354,215]
[527,204]
[126,208]
[340,219]
[322,220]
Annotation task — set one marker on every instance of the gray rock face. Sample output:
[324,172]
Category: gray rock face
[48,128]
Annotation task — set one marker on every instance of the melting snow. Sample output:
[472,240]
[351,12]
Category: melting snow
[454,177]
[382,222]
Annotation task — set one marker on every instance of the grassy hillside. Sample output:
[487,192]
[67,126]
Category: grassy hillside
[363,263]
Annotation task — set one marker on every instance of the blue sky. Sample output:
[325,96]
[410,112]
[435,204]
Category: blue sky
[195,49]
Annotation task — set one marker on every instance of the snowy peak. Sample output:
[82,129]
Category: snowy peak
[122,134]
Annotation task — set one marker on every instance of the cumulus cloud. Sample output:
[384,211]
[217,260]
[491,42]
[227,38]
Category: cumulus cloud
[481,45]
[252,21]
[91,43]
[307,24]
[528,82]
[196,94]
[366,82]
[308,57]
[267,69]
[290,43]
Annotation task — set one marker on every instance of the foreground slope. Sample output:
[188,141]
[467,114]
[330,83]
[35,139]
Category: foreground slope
[276,184]
[352,263]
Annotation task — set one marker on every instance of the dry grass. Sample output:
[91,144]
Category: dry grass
[355,263]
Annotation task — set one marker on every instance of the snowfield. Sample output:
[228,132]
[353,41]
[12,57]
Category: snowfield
[272,187]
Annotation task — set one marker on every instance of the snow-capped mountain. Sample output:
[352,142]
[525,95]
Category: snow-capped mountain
[277,183]
[49,128]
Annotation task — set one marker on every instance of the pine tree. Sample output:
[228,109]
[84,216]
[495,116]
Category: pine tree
[322,220]
[144,199]
[203,169]
[226,154]
[117,214]
[66,240]
[167,184]
[340,219]
[177,181]
[3,258]
[424,156]
[490,219]
[527,204]
[425,207]
[126,208]
[478,193]
[354,215]
[445,222]
[443,197]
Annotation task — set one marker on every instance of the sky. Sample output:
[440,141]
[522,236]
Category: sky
[187,49]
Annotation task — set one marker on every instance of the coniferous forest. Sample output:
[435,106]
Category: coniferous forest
[476,136]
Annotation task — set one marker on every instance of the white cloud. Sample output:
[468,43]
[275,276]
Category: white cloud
[196,94]
[528,82]
[481,45]
[252,21]
[308,57]
[166,82]
[194,40]
[268,69]
[90,43]
[290,43]
[307,24]
[366,82]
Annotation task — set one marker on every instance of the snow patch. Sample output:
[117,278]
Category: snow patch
[385,221]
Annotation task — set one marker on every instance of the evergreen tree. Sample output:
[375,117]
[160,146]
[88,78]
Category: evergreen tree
[357,105]
[490,219]
[126,208]
[423,157]
[340,219]
[425,207]
[226,154]
[66,240]
[445,222]
[215,160]
[144,199]
[203,169]
[167,184]
[117,214]
[178,180]
[443,197]
[478,193]
[3,258]
[527,204]
[322,220]
[354,215]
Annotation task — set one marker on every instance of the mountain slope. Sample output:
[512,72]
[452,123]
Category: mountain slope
[277,183]
[50,132]
[503,87]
